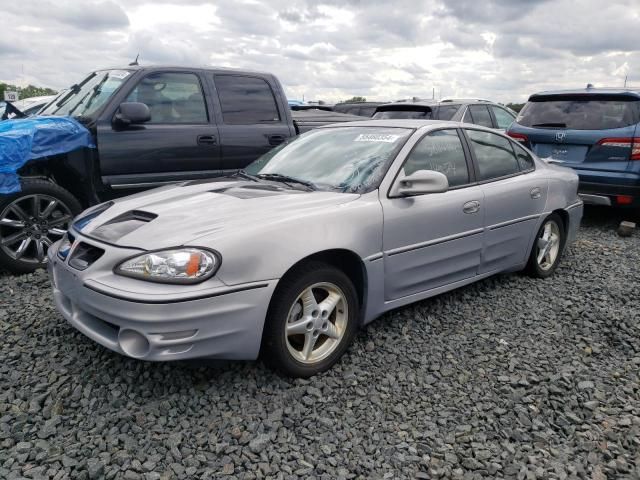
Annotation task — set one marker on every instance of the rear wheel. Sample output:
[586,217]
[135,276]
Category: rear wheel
[547,248]
[31,221]
[311,321]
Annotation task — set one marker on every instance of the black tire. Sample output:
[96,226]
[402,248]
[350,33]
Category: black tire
[534,267]
[48,229]
[276,345]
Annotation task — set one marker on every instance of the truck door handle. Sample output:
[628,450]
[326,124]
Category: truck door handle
[207,140]
[471,207]
[275,139]
[536,193]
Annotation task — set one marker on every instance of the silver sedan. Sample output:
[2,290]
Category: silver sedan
[288,258]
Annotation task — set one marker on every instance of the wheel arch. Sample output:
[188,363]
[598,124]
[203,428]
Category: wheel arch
[344,260]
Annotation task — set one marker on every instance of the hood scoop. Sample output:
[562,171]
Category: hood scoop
[122,225]
[249,191]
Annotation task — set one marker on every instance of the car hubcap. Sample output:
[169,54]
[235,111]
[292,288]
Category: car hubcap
[30,224]
[548,245]
[316,322]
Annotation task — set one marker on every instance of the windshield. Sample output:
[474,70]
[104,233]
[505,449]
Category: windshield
[580,113]
[347,159]
[421,114]
[85,98]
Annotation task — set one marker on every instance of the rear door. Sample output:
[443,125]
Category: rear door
[478,114]
[179,142]
[586,131]
[250,120]
[514,198]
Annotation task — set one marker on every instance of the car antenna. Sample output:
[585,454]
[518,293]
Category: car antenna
[135,62]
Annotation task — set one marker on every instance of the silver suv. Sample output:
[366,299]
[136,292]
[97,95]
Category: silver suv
[478,111]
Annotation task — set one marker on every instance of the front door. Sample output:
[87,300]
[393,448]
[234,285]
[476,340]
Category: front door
[436,239]
[514,197]
[180,141]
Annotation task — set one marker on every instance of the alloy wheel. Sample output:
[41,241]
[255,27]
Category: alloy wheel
[30,225]
[548,245]
[316,322]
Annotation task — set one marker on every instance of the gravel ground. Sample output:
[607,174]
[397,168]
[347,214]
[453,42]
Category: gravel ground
[511,377]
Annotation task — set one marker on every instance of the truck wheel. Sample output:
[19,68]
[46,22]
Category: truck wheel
[30,221]
[311,321]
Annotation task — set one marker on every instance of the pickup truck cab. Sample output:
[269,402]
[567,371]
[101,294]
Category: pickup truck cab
[152,125]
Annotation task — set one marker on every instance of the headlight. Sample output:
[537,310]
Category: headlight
[184,265]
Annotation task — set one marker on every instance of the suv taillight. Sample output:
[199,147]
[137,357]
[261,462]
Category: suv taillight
[624,142]
[520,138]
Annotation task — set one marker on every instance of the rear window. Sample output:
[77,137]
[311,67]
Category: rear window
[584,112]
[400,113]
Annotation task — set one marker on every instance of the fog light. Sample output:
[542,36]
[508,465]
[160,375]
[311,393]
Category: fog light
[133,343]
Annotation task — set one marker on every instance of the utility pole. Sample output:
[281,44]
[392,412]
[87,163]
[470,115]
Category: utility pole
[625,81]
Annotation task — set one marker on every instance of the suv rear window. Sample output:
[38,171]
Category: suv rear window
[580,112]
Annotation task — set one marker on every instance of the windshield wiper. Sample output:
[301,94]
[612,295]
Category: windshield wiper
[286,178]
[243,174]
[550,124]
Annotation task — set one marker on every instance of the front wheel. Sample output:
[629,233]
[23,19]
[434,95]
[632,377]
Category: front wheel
[31,221]
[311,321]
[547,247]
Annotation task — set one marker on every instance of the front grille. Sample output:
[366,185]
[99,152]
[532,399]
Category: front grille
[84,255]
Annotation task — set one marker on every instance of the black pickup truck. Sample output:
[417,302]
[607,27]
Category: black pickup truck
[151,126]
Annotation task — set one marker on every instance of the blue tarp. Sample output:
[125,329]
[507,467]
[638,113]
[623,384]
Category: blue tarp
[36,137]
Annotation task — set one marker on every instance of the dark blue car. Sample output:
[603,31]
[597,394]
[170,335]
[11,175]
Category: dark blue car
[595,131]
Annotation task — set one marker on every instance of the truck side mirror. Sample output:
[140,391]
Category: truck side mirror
[420,183]
[131,113]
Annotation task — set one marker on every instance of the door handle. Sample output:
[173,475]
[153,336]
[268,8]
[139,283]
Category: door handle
[536,193]
[207,140]
[275,139]
[471,207]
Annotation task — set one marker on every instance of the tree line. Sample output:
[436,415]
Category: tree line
[25,92]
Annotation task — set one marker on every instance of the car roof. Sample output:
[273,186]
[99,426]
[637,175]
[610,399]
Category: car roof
[402,123]
[184,67]
[590,91]
[435,103]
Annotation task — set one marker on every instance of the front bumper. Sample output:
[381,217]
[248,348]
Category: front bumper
[222,322]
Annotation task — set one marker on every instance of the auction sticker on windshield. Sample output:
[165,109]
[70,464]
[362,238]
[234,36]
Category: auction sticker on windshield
[376,137]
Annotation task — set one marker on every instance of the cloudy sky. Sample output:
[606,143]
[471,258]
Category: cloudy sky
[334,49]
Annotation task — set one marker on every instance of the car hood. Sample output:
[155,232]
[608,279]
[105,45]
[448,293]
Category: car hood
[181,214]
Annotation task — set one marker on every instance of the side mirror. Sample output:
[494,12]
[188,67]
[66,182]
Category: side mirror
[420,183]
[131,113]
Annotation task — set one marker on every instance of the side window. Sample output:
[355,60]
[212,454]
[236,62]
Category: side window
[171,98]
[493,153]
[440,151]
[525,160]
[447,112]
[246,100]
[503,118]
[480,115]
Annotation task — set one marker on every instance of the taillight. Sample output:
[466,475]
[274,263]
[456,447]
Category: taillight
[519,137]
[624,199]
[624,142]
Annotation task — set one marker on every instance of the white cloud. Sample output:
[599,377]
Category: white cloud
[334,49]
